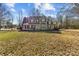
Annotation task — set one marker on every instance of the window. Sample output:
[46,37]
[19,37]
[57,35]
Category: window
[27,26]
[43,20]
[31,20]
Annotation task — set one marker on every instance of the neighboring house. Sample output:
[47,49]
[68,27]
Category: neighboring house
[37,23]
[5,24]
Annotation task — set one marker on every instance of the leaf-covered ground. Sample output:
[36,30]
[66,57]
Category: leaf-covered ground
[39,43]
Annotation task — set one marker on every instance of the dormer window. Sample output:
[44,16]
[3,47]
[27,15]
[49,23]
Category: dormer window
[43,20]
[31,20]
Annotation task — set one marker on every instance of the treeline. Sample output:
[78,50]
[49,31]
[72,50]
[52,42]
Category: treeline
[6,17]
[68,16]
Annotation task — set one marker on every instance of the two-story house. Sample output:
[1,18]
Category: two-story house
[37,23]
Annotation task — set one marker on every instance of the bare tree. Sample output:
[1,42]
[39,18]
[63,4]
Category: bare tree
[1,14]
[66,11]
[20,19]
[10,19]
[5,14]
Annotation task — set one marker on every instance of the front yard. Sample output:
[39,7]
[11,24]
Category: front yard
[39,43]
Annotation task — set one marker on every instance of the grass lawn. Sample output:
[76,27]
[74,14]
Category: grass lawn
[39,43]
